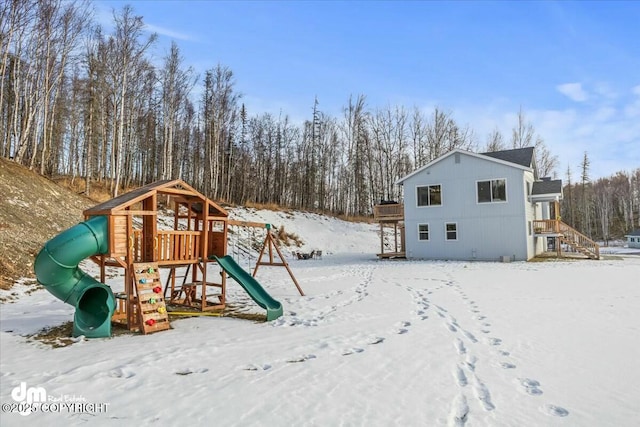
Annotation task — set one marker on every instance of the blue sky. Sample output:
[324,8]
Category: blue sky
[573,67]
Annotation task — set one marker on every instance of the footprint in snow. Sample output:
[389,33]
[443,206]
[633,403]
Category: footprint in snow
[189,371]
[451,327]
[530,386]
[470,362]
[459,411]
[402,327]
[494,341]
[460,377]
[352,351]
[254,367]
[376,340]
[470,336]
[482,393]
[422,314]
[506,365]
[121,373]
[459,345]
[302,358]
[554,410]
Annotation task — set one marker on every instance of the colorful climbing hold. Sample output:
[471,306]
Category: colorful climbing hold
[162,310]
[143,281]
[150,270]
[157,289]
[150,322]
[152,300]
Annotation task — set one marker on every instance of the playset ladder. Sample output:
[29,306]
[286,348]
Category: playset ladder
[150,301]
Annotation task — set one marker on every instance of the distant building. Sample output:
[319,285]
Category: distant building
[633,239]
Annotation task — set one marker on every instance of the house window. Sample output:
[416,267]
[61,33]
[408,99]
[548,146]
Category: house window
[451,229]
[491,191]
[429,195]
[423,231]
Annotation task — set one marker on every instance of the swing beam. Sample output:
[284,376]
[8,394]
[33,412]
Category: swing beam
[269,244]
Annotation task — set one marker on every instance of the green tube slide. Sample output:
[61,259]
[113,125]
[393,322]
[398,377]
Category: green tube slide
[56,268]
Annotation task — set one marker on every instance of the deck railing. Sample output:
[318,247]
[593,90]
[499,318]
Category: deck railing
[546,226]
[389,211]
[569,236]
[579,241]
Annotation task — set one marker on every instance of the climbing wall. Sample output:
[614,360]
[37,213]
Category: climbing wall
[151,305]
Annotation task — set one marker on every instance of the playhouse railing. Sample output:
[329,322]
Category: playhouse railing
[169,247]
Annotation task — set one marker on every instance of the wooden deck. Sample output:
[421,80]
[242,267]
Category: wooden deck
[388,212]
[392,255]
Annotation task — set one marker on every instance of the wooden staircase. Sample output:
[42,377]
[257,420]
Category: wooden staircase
[578,241]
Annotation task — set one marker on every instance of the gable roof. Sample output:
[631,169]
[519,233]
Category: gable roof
[174,187]
[521,158]
[633,233]
[546,186]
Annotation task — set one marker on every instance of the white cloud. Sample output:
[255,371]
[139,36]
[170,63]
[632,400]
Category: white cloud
[636,90]
[608,133]
[574,91]
[167,32]
[605,90]
[604,113]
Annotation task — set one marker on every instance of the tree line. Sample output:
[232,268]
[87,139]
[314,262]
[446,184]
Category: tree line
[79,102]
[604,209]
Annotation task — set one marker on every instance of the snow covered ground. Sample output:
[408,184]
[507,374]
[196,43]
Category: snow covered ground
[373,343]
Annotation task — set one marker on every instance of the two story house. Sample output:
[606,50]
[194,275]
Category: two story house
[489,206]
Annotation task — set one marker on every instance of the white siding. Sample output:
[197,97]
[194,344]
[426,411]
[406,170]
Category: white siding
[486,231]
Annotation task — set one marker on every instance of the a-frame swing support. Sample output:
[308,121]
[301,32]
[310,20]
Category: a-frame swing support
[269,244]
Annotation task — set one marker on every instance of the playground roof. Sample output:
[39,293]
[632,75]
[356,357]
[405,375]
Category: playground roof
[176,188]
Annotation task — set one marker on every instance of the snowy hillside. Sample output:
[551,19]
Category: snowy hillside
[373,343]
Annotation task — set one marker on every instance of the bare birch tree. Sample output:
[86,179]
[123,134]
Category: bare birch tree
[126,58]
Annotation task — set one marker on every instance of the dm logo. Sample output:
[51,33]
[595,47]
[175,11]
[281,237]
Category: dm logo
[30,395]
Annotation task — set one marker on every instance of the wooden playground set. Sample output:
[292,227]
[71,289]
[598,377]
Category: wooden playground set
[199,236]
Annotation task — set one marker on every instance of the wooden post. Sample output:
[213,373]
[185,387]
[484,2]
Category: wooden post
[149,230]
[270,242]
[395,237]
